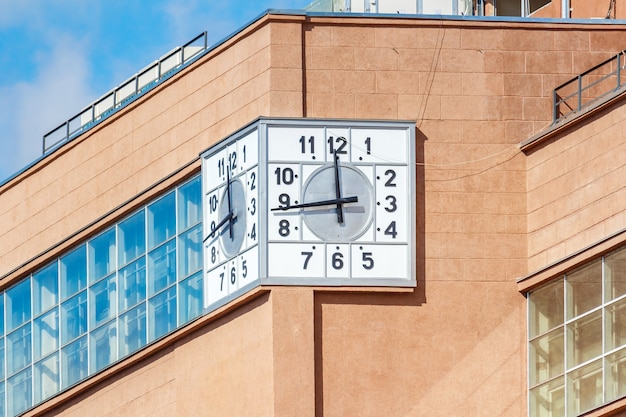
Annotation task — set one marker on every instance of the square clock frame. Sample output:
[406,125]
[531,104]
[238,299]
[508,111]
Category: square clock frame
[309,202]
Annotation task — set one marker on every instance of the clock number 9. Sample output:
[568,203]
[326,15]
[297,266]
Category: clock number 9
[284,200]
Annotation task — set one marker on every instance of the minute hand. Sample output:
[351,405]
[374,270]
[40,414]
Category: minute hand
[344,200]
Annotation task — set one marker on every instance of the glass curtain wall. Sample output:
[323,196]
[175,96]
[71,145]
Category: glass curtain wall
[112,295]
[577,339]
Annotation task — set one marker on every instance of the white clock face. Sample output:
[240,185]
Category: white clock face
[339,200]
[231,207]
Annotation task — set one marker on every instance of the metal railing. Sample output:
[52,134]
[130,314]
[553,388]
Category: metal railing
[126,92]
[590,87]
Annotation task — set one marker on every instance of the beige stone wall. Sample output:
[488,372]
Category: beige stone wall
[576,191]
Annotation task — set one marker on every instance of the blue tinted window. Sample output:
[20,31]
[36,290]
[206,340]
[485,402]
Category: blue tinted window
[102,301]
[19,391]
[74,317]
[132,284]
[132,330]
[46,377]
[18,349]
[162,313]
[190,298]
[190,251]
[74,361]
[102,255]
[161,220]
[45,334]
[131,235]
[73,271]
[103,347]
[18,305]
[189,204]
[162,267]
[45,288]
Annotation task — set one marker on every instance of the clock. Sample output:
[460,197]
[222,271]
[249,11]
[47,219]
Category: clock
[230,189]
[309,202]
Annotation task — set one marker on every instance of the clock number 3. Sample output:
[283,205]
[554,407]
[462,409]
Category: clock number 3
[391,199]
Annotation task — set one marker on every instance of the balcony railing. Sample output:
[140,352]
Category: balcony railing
[126,92]
[590,87]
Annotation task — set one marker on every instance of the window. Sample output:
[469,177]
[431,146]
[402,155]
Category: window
[105,299]
[577,339]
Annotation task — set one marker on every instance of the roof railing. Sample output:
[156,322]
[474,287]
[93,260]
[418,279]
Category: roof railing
[143,81]
[589,88]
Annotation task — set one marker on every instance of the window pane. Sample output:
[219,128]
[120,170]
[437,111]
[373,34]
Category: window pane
[46,378]
[190,298]
[18,304]
[584,289]
[2,375]
[546,307]
[45,288]
[73,268]
[161,220]
[46,334]
[162,313]
[102,301]
[74,317]
[133,330]
[190,255]
[546,357]
[132,284]
[615,274]
[2,403]
[548,400]
[189,204]
[102,255]
[103,347]
[584,388]
[19,391]
[74,360]
[162,267]
[615,325]
[2,313]
[615,374]
[131,238]
[584,339]
[18,349]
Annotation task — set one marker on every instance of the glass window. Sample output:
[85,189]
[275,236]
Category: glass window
[189,204]
[18,349]
[162,313]
[2,375]
[18,305]
[584,289]
[584,388]
[73,271]
[132,238]
[548,400]
[74,317]
[132,284]
[103,347]
[546,308]
[45,288]
[133,330]
[615,275]
[584,339]
[19,392]
[547,358]
[102,301]
[46,334]
[74,360]
[190,298]
[190,251]
[102,255]
[161,220]
[162,267]
[615,325]
[46,378]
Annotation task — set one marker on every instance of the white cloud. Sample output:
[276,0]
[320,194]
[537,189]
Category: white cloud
[59,89]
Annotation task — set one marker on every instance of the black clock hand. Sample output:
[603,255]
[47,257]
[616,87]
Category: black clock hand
[338,190]
[230,209]
[229,217]
[337,201]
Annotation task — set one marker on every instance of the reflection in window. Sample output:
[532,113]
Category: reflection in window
[46,334]
[103,348]
[73,271]
[45,288]
[46,377]
[18,304]
[189,204]
[190,251]
[162,313]
[162,267]
[190,299]
[19,392]
[102,255]
[132,284]
[131,238]
[74,360]
[74,317]
[161,220]
[102,301]
[132,330]
[18,349]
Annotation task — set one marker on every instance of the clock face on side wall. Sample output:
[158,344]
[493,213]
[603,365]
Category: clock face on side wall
[309,202]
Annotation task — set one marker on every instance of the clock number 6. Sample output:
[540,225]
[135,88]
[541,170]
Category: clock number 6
[337,260]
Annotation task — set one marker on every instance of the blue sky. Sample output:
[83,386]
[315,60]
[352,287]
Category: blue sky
[57,56]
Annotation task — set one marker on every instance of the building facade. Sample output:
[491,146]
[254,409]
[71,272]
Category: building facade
[519,233]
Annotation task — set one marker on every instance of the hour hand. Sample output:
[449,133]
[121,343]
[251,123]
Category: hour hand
[230,217]
[331,202]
